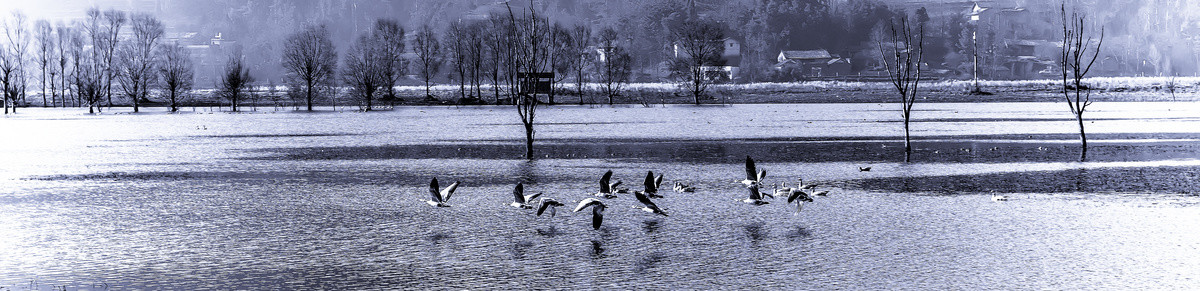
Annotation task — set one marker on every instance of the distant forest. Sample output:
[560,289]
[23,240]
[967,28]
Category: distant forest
[1143,37]
[1155,37]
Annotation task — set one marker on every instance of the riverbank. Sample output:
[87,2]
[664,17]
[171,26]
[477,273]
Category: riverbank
[1105,89]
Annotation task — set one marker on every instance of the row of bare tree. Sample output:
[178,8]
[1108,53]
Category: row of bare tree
[87,62]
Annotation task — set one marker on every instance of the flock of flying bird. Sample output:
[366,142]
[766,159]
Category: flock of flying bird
[753,182]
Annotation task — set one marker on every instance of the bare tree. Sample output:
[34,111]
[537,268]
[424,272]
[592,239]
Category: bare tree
[364,69]
[176,72]
[562,58]
[83,66]
[581,37]
[18,44]
[310,59]
[1075,64]
[113,21]
[698,46]
[65,36]
[137,59]
[390,37]
[235,81]
[902,59]
[1171,85]
[530,54]
[455,39]
[8,76]
[614,65]
[497,51]
[475,54]
[44,34]
[429,56]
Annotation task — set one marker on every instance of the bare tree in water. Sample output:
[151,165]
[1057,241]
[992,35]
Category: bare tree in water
[176,72]
[137,60]
[310,59]
[389,36]
[614,66]
[903,58]
[235,81]
[429,56]
[364,69]
[699,44]
[530,54]
[1075,64]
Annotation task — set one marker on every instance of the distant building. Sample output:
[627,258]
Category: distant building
[813,63]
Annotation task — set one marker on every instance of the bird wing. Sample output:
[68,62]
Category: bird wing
[649,183]
[641,197]
[587,202]
[794,195]
[613,186]
[597,216]
[754,194]
[658,181]
[543,207]
[751,172]
[449,191]
[604,186]
[433,190]
[531,197]
[519,193]
[761,174]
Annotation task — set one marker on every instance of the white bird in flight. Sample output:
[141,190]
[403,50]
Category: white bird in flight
[756,197]
[753,177]
[439,198]
[520,200]
[547,203]
[644,196]
[597,210]
[605,187]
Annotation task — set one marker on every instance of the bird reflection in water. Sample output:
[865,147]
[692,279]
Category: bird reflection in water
[650,225]
[597,249]
[520,248]
[799,233]
[551,231]
[755,232]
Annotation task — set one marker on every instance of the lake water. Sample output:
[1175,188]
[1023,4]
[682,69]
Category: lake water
[288,200]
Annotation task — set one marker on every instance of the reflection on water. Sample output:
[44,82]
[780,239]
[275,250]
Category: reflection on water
[756,233]
[799,233]
[140,202]
[650,225]
[597,249]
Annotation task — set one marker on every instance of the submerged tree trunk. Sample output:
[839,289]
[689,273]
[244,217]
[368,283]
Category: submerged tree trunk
[1082,139]
[529,140]
[907,142]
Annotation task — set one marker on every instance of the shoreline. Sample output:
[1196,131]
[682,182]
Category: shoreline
[1133,89]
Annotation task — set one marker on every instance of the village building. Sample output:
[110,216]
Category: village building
[816,63]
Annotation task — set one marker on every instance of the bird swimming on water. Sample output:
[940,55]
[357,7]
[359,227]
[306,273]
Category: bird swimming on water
[683,188]
[439,198]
